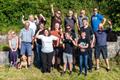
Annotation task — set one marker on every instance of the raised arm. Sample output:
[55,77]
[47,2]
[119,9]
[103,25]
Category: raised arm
[37,34]
[52,9]
[103,21]
[23,21]
[74,42]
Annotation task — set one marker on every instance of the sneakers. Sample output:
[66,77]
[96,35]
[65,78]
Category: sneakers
[62,73]
[97,68]
[70,73]
[107,69]
[79,73]
[85,74]
[29,66]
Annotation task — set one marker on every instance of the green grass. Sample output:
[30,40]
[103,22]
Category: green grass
[34,73]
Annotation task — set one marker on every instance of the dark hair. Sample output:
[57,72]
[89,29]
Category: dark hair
[85,19]
[48,31]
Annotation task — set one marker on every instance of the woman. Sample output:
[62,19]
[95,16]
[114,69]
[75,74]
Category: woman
[13,44]
[56,57]
[47,49]
[38,43]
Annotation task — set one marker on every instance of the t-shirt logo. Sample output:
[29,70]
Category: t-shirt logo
[94,18]
[83,44]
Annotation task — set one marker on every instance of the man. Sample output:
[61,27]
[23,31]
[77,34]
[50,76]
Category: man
[56,17]
[32,22]
[101,46]
[70,20]
[96,19]
[26,38]
[82,15]
[91,38]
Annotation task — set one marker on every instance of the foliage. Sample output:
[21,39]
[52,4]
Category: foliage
[12,10]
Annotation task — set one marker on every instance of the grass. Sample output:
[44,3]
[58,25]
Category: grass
[34,73]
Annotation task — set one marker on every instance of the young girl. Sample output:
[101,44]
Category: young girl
[83,57]
[56,44]
[13,44]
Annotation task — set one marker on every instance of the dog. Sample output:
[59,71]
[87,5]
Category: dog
[23,62]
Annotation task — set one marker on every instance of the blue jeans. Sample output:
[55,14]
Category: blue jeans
[26,47]
[38,54]
[90,63]
[83,58]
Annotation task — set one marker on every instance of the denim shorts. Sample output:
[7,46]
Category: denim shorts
[67,57]
[26,48]
[101,49]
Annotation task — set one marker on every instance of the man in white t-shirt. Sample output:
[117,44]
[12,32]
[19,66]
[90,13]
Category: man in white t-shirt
[32,22]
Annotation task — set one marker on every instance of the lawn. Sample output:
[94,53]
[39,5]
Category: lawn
[7,73]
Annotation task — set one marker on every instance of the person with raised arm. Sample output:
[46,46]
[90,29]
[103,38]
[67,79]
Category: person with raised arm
[47,49]
[56,17]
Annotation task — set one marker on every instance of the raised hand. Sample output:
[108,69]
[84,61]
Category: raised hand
[75,15]
[36,16]
[51,5]
[23,16]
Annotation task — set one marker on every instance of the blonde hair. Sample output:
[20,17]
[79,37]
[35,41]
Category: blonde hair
[10,33]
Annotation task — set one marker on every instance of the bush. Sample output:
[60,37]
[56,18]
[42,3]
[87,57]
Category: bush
[12,10]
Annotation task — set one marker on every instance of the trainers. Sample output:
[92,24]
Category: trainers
[70,73]
[79,73]
[90,70]
[107,69]
[97,68]
[62,73]
[29,66]
[85,74]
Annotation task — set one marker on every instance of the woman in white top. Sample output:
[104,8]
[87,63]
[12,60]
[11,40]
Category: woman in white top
[47,49]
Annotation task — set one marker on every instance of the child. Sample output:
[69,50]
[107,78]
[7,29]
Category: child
[13,44]
[68,52]
[83,57]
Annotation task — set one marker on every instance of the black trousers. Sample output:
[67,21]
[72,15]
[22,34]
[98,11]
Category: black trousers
[46,61]
[90,63]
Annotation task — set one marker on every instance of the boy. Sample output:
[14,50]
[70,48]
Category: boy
[83,55]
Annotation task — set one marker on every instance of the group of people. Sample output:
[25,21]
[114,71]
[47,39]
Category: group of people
[53,45]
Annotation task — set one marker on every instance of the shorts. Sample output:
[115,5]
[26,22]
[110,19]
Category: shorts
[67,57]
[26,48]
[101,49]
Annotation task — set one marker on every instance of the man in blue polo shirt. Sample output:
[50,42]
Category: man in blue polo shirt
[26,37]
[96,19]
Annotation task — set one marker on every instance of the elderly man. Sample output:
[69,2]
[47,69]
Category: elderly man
[26,37]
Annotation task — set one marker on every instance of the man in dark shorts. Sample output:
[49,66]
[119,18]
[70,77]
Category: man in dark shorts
[101,47]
